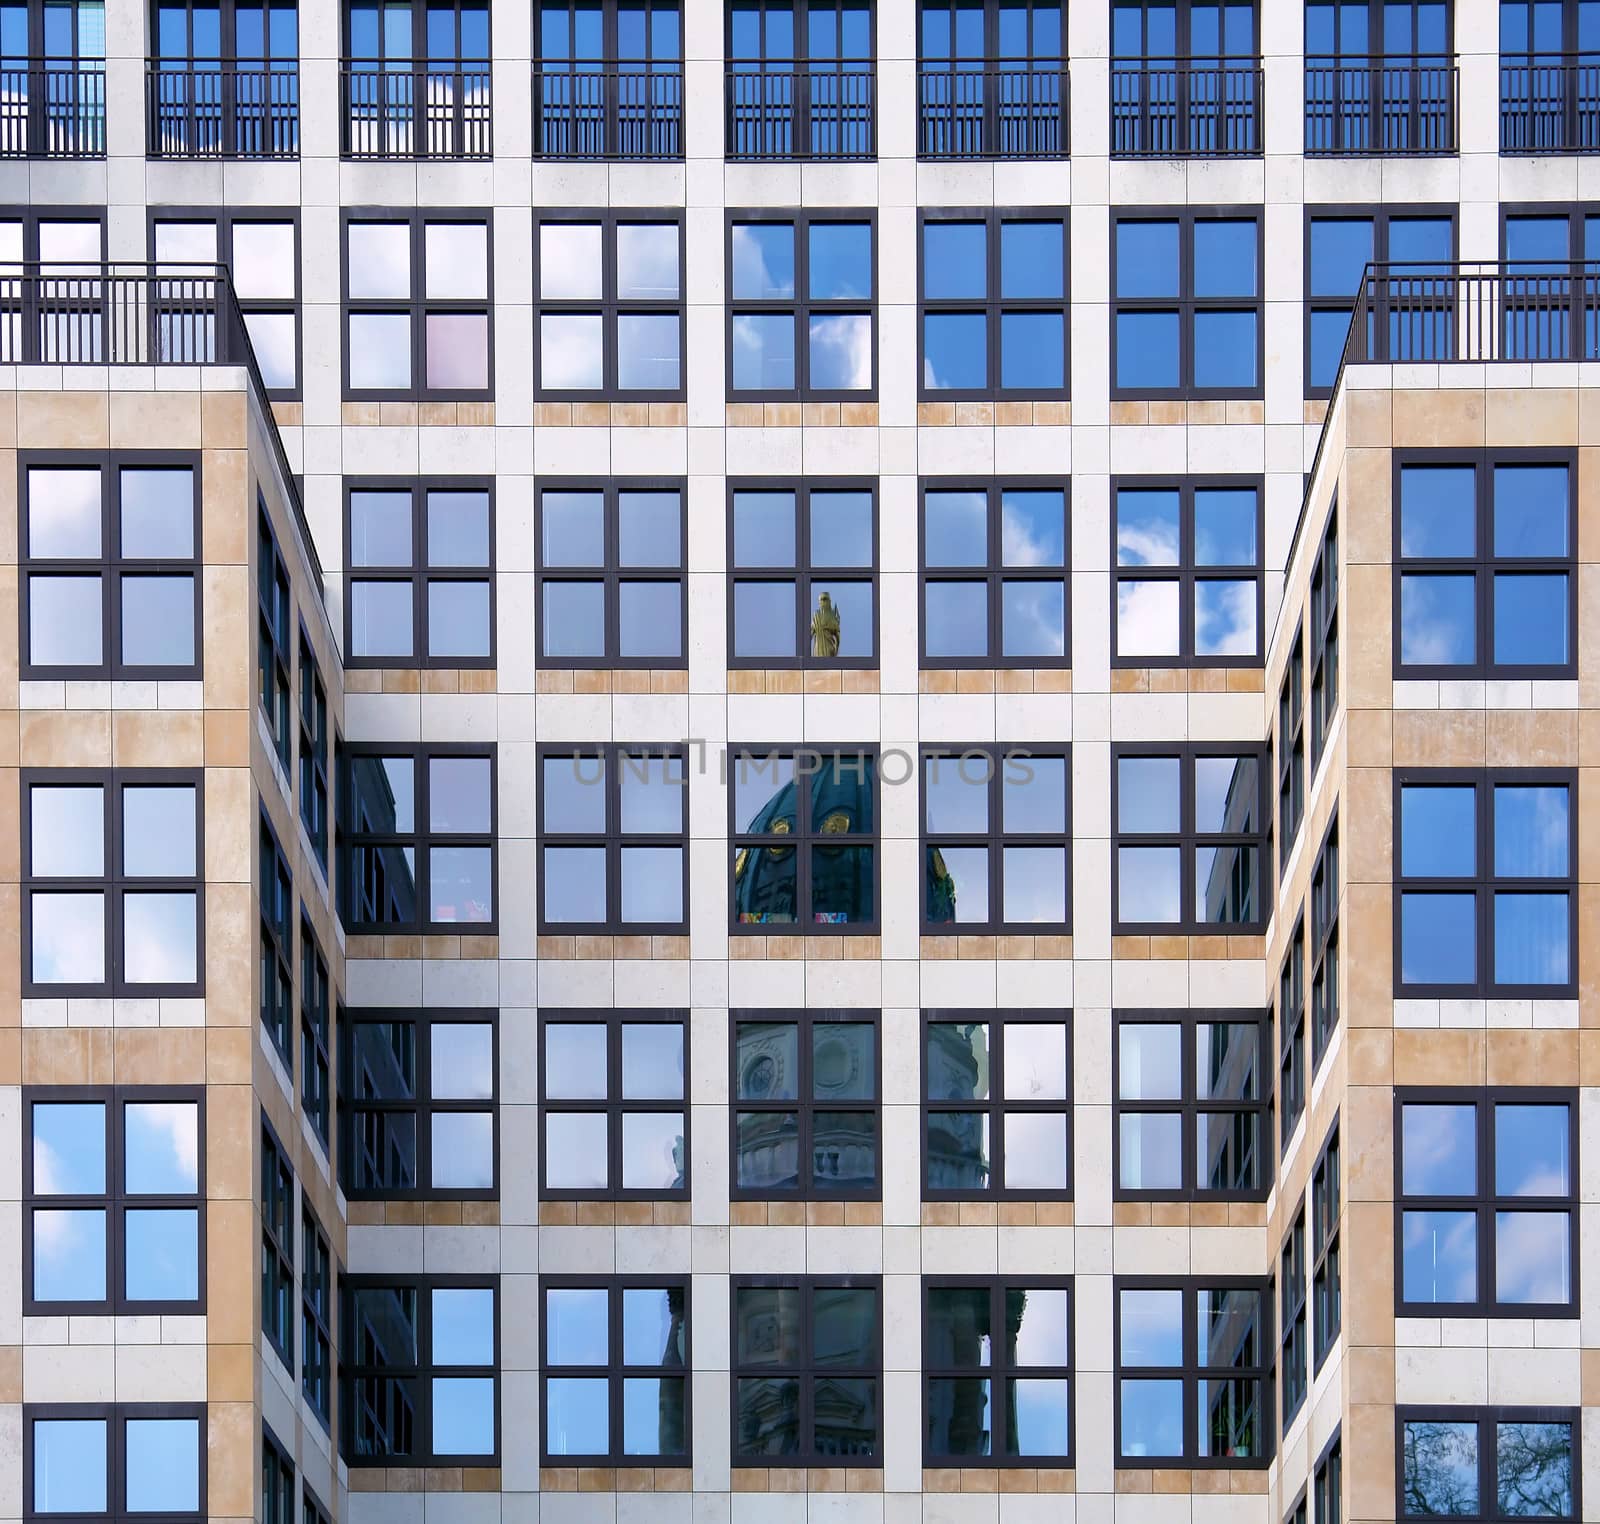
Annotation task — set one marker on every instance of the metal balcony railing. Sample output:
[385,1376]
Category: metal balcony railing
[1549,103]
[53,109]
[208,108]
[993,110]
[1176,108]
[628,112]
[415,108]
[819,110]
[1359,107]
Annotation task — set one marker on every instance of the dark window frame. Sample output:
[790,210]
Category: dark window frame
[999,1369]
[1482,884]
[1289,750]
[116,1415]
[806,1104]
[420,574]
[1328,1482]
[1485,1202]
[1191,1372]
[350,1108]
[417,306]
[312,1509]
[1484,564]
[115,1200]
[615,757]
[1322,618]
[998,757]
[844,758]
[1190,841]
[615,1371]
[802,306]
[423,839]
[316,1036]
[1186,305]
[113,884]
[1548,86]
[277,1479]
[314,750]
[615,1104]
[1188,573]
[1327,1277]
[110,567]
[998,1105]
[278,1202]
[1293,1316]
[70,323]
[316,1316]
[612,574]
[807,1372]
[609,306]
[993,304]
[802,573]
[1190,1108]
[275,621]
[277,1006]
[1324,897]
[994,574]
[1487,1418]
[1293,1090]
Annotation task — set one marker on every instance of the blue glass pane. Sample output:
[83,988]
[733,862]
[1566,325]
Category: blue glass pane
[161,1147]
[463,1325]
[1147,794]
[841,353]
[463,1415]
[1225,350]
[954,351]
[763,261]
[955,793]
[1421,240]
[1439,1257]
[1539,242]
[163,1458]
[955,528]
[69,1465]
[162,1251]
[1532,939]
[1225,526]
[1439,1149]
[841,529]
[1530,618]
[763,529]
[1441,1467]
[1532,1266]
[1032,528]
[1152,1327]
[1148,527]
[1225,258]
[1438,831]
[576,1330]
[1032,259]
[1530,510]
[1532,1150]
[1438,939]
[1040,1417]
[1147,351]
[1033,351]
[841,260]
[763,352]
[1328,333]
[69,1256]
[69,1148]
[956,619]
[1033,619]
[1152,1418]
[1532,824]
[954,260]
[1438,620]
[1438,516]
[1341,249]
[1147,259]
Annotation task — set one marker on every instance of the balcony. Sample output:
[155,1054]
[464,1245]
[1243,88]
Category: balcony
[53,109]
[415,108]
[207,108]
[1367,107]
[816,111]
[1175,108]
[631,113]
[978,110]
[1549,103]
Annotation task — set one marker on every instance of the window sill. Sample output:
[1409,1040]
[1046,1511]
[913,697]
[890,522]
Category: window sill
[994,680]
[801,415]
[948,415]
[997,1214]
[771,680]
[610,415]
[999,1477]
[1022,947]
[1199,947]
[745,946]
[1176,410]
[807,1478]
[410,415]
[1196,679]
[559,947]
[616,1479]
[805,1214]
[589,680]
[430,947]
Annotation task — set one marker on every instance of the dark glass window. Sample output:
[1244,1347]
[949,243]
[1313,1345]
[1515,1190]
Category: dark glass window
[614,839]
[1327,1286]
[1192,1378]
[1323,618]
[113,902]
[275,619]
[993,287]
[276,891]
[789,810]
[610,573]
[94,1461]
[1486,882]
[1328,1484]
[420,558]
[110,578]
[1489,1463]
[1292,1318]
[1289,743]
[1188,838]
[997,1372]
[313,754]
[316,1317]
[996,840]
[418,295]
[1416,316]
[806,1118]
[261,250]
[418,1104]
[610,306]
[802,306]
[1188,555]
[1292,1036]
[1191,1105]
[417,829]
[994,573]
[997,1107]
[1325,944]
[1486,1218]
[807,1370]
[312,1512]
[277,1247]
[113,1198]
[1186,304]
[316,1036]
[1485,578]
[418,1372]
[277,1480]
[614,1099]
[803,585]
[614,1370]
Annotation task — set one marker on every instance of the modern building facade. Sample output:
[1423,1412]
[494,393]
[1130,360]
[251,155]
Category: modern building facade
[804,761]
